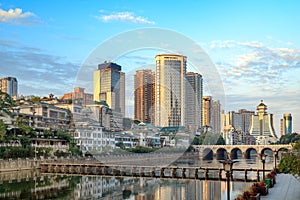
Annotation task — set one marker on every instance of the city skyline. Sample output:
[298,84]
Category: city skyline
[254,45]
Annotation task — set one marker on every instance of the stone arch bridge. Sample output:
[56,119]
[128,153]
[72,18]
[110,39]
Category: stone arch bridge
[220,151]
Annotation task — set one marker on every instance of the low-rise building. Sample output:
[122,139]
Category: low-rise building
[42,115]
[91,137]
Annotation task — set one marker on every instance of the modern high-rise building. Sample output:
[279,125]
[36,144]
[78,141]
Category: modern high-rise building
[144,95]
[194,93]
[238,122]
[109,86]
[286,124]
[9,85]
[206,111]
[262,126]
[216,117]
[170,78]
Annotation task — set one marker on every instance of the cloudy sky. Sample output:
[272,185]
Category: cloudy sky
[255,45]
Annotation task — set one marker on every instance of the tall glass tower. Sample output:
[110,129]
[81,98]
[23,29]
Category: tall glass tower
[170,75]
[287,123]
[109,86]
[9,85]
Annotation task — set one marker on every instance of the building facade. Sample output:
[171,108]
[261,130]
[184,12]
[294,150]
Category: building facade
[170,78]
[9,85]
[262,126]
[144,96]
[194,93]
[286,124]
[78,96]
[240,121]
[109,86]
[206,111]
[216,117]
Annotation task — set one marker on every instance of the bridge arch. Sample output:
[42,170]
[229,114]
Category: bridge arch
[221,154]
[280,151]
[250,153]
[236,153]
[265,149]
[207,154]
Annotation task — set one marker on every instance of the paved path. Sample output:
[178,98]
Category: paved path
[287,187]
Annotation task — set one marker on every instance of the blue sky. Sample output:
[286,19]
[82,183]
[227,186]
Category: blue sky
[255,45]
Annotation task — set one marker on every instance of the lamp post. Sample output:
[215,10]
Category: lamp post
[263,160]
[227,166]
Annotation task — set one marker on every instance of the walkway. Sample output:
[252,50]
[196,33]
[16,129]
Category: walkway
[287,187]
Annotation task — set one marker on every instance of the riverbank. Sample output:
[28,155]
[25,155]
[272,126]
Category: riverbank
[287,187]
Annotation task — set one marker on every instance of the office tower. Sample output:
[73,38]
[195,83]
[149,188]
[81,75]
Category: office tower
[287,123]
[194,93]
[109,86]
[262,126]
[239,122]
[216,117]
[170,73]
[9,85]
[206,111]
[144,95]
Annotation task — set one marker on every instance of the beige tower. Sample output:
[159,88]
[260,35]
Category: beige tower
[170,74]
[207,111]
[144,95]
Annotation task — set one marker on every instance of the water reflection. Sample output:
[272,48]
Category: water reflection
[34,185]
[51,186]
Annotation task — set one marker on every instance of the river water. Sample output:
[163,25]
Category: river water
[36,185]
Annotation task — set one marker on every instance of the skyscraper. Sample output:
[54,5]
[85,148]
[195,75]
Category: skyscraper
[170,76]
[206,111]
[194,93]
[144,95]
[216,117]
[287,124]
[109,86]
[9,85]
[262,125]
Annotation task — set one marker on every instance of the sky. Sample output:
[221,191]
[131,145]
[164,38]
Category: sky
[254,45]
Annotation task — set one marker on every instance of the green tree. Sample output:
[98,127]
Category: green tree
[208,138]
[35,99]
[290,163]
[288,138]
[6,103]
[3,129]
[121,145]
[22,124]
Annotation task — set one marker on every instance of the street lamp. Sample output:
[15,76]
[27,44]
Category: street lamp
[263,160]
[227,166]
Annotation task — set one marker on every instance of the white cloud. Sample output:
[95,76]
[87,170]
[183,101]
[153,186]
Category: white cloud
[17,16]
[126,17]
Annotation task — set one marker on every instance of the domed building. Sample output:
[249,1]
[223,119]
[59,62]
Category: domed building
[261,127]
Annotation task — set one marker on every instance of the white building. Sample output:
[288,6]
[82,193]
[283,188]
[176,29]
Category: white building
[262,126]
[91,137]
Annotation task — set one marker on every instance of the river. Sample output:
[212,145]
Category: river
[29,184]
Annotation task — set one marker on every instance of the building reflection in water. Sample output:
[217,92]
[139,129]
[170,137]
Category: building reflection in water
[33,185]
